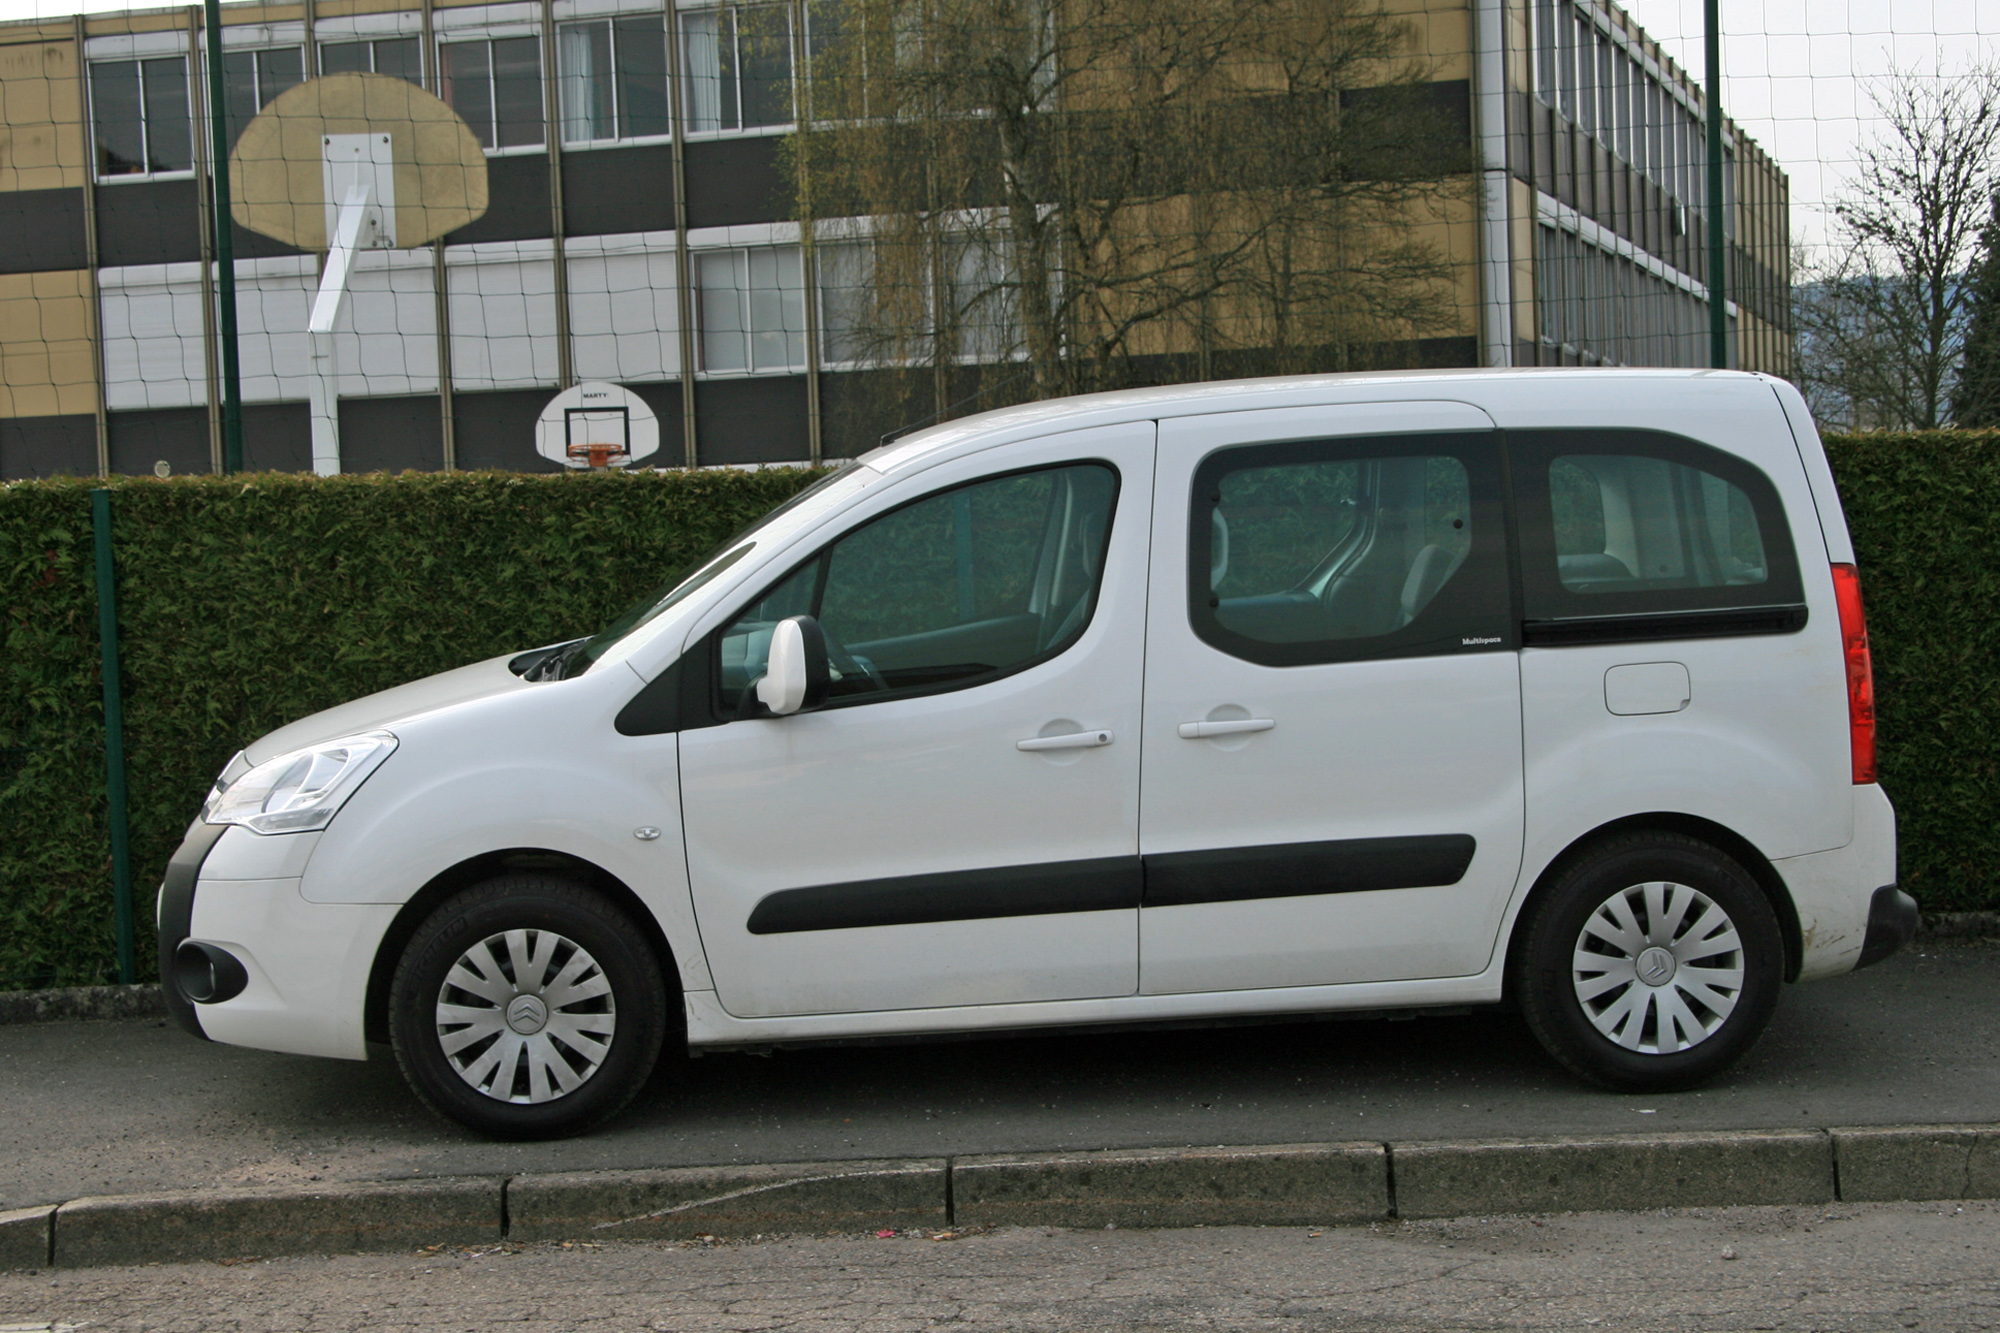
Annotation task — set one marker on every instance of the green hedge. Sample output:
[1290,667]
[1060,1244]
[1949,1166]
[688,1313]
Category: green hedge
[1921,507]
[249,601]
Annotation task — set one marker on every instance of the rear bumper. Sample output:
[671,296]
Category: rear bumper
[1834,892]
[1892,923]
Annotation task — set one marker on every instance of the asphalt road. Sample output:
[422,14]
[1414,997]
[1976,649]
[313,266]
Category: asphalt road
[1827,1270]
[131,1107]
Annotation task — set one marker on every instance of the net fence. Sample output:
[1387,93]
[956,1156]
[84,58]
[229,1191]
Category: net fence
[602,233]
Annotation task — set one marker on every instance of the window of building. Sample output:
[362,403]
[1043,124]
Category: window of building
[739,67]
[1337,550]
[613,79]
[846,302]
[400,56]
[495,85]
[251,79]
[140,117]
[753,309]
[954,590]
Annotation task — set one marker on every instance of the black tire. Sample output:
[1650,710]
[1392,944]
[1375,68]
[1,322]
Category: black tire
[607,1042]
[1630,1035]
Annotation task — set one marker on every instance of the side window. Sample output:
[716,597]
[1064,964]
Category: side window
[952,590]
[1617,525]
[1337,550]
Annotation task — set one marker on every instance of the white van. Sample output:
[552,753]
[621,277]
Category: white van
[1373,692]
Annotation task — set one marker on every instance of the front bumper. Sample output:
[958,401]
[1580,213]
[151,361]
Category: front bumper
[304,965]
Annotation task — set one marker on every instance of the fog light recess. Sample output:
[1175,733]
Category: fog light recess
[208,974]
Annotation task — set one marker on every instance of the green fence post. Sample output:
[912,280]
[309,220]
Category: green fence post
[1718,295]
[114,732]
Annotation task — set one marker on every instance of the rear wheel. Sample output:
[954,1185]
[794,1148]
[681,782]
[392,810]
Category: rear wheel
[527,1007]
[1652,963]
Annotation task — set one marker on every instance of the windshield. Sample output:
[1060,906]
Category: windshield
[682,585]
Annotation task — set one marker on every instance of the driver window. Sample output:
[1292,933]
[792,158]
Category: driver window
[953,590]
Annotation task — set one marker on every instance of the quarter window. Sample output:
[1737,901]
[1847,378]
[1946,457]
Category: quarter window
[139,114]
[1323,552]
[1617,525]
[954,590]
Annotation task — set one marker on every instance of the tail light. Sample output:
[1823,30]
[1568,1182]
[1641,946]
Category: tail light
[1860,673]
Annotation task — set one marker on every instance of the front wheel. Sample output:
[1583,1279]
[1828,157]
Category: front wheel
[1653,963]
[527,1007]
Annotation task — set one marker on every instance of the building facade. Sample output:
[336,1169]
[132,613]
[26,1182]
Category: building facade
[642,229]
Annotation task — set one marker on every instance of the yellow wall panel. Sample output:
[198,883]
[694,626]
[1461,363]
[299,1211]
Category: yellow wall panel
[41,117]
[46,367]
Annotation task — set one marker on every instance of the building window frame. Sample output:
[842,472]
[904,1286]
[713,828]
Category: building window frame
[139,61]
[714,104]
[735,338]
[492,130]
[619,32]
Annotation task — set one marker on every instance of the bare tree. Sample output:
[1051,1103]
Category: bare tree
[1067,195]
[1882,323]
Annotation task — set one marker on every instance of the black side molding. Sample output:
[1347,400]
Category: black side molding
[1174,879]
[177,915]
[1302,869]
[1726,623]
[1892,923]
[1099,885]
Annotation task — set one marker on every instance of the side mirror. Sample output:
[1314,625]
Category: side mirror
[797,676]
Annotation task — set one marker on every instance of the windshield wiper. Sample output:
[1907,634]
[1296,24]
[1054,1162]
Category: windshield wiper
[552,663]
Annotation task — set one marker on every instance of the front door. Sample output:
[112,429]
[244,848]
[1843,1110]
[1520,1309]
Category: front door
[959,824]
[1332,783]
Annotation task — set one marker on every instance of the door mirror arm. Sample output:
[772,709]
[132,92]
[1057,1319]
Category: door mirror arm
[796,678]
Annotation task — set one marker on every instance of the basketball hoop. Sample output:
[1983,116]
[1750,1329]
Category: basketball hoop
[597,427]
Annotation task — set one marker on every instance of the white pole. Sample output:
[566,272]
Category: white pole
[319,328]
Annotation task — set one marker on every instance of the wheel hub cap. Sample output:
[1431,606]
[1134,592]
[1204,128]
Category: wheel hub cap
[1658,968]
[526,1016]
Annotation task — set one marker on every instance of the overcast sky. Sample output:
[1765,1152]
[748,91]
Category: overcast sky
[1795,72]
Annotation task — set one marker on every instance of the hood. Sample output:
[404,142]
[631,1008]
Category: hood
[375,712]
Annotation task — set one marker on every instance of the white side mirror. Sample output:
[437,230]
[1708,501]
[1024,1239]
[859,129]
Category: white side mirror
[796,677]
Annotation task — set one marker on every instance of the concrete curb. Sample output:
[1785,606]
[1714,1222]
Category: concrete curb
[1307,1184]
[73,1002]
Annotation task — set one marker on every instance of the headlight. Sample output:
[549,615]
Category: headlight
[296,792]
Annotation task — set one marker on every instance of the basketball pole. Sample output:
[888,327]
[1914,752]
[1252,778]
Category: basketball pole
[225,251]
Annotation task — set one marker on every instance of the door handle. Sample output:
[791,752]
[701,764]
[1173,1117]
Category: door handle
[1235,726]
[1076,740]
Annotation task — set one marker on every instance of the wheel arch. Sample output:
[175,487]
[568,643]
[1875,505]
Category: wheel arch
[473,870]
[1719,836]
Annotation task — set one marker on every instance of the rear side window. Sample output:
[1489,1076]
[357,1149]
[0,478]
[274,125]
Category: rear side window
[1338,550]
[1620,528]
[952,590]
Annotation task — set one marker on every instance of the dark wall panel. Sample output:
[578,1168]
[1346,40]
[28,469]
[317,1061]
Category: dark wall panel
[517,208]
[734,181]
[610,191]
[665,400]
[179,435]
[389,434]
[497,430]
[277,437]
[47,447]
[41,229]
[752,420]
[148,222]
